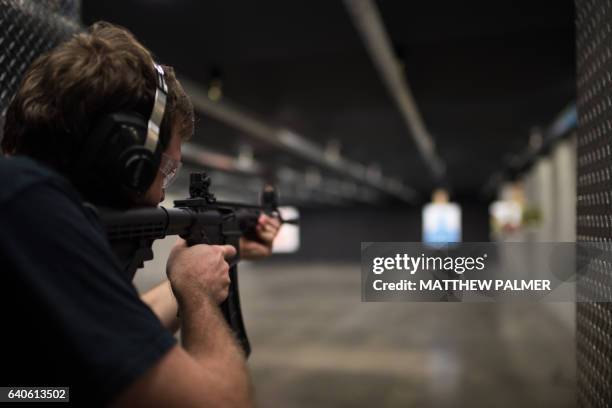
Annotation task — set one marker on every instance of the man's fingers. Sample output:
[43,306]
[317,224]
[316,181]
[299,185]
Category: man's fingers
[263,235]
[269,221]
[266,233]
[262,219]
[228,251]
[255,248]
[274,222]
[222,296]
[180,242]
[268,226]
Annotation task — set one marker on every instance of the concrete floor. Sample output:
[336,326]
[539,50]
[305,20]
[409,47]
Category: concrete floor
[315,344]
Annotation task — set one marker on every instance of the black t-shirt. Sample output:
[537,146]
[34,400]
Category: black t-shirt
[70,316]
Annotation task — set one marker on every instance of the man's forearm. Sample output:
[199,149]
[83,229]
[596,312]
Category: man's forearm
[208,339]
[163,303]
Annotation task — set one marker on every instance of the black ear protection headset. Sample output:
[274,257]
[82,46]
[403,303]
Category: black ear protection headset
[126,145]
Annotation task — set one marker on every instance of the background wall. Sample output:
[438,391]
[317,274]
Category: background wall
[594,164]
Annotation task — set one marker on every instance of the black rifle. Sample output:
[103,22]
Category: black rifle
[199,219]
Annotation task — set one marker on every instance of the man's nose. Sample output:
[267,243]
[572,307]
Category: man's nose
[163,196]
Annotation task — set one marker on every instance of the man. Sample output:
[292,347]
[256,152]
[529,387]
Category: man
[74,318]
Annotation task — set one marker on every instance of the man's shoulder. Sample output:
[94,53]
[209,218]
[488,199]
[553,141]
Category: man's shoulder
[18,173]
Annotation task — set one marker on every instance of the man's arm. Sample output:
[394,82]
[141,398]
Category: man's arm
[162,302]
[210,370]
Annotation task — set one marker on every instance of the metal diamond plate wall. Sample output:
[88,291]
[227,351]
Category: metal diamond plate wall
[594,218]
[27,29]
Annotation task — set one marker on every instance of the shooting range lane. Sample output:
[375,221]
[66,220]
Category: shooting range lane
[317,344]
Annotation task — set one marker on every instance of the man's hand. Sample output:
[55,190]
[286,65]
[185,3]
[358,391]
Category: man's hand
[267,229]
[199,271]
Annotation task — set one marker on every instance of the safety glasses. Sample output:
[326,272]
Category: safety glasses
[169,168]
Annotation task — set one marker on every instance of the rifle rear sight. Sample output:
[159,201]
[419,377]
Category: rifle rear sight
[199,187]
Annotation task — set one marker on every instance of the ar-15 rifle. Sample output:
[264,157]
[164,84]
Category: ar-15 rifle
[199,219]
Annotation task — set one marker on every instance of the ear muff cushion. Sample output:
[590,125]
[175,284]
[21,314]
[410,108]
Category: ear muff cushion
[138,168]
[136,165]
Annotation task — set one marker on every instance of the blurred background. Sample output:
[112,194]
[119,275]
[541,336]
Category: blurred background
[376,120]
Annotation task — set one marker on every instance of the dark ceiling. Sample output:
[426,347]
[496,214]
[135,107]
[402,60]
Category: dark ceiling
[483,73]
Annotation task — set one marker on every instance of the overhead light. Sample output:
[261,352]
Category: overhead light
[215,90]
[215,86]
